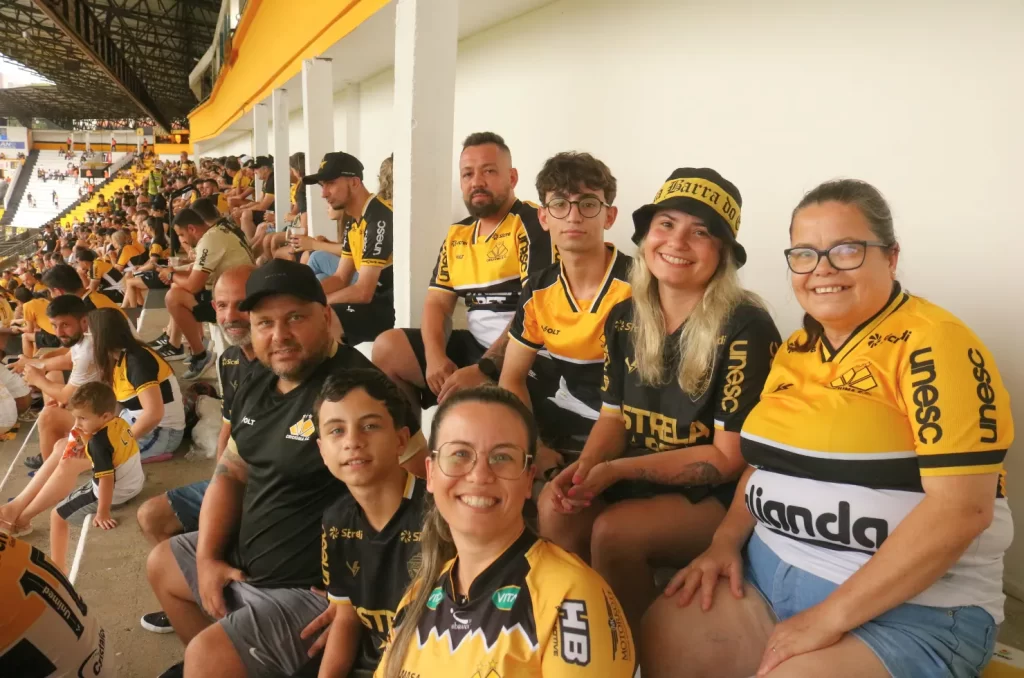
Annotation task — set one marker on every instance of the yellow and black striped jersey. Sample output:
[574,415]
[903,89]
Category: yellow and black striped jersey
[535,611]
[132,254]
[45,626]
[94,300]
[104,271]
[488,273]
[371,570]
[140,368]
[843,435]
[34,313]
[158,251]
[114,452]
[571,330]
[370,242]
[661,416]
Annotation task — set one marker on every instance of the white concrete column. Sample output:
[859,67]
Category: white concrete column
[350,104]
[318,124]
[426,43]
[260,141]
[279,150]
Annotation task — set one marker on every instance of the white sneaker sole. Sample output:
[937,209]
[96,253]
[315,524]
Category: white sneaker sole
[155,629]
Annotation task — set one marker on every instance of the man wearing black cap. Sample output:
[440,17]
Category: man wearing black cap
[259,527]
[252,214]
[367,307]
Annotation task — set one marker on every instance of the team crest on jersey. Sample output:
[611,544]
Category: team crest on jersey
[414,564]
[498,252]
[302,430]
[855,380]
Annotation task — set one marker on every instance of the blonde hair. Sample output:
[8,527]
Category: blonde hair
[385,182]
[698,342]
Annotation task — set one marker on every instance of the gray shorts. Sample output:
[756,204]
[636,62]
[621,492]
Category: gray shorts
[263,624]
[77,505]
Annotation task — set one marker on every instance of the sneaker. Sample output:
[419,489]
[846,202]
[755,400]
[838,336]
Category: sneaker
[170,353]
[196,366]
[157,622]
[159,341]
[34,462]
[176,671]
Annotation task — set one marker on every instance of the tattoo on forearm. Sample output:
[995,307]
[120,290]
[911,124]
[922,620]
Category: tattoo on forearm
[497,350]
[697,473]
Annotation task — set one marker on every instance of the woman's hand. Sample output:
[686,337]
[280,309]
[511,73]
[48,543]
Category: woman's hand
[562,483]
[813,629]
[722,559]
[597,480]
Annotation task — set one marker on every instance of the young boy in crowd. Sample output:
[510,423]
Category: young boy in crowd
[371,537]
[107,440]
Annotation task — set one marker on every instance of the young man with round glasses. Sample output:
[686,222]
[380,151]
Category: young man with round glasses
[563,307]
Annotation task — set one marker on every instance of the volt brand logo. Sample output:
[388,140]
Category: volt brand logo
[926,396]
[734,377]
[550,330]
[574,632]
[248,422]
[987,396]
[865,534]
[504,598]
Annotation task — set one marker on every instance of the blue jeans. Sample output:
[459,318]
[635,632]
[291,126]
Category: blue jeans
[158,441]
[186,501]
[912,641]
[324,264]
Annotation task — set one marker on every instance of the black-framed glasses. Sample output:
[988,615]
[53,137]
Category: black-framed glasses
[589,207]
[843,256]
[457,459]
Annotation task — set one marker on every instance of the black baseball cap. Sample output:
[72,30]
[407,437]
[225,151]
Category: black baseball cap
[704,193]
[334,165]
[282,276]
[263,161]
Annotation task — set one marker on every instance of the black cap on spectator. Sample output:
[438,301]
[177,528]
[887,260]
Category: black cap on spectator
[282,276]
[334,165]
[263,161]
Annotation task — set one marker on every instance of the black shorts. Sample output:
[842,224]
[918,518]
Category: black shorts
[46,340]
[116,296]
[152,280]
[203,310]
[462,349]
[363,322]
[257,217]
[641,489]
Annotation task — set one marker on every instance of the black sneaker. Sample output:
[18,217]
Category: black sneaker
[176,671]
[35,462]
[197,365]
[156,622]
[171,353]
[159,341]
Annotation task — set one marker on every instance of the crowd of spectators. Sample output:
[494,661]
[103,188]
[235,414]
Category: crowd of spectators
[627,462]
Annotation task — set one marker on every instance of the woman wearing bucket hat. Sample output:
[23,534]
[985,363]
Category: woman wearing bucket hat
[685,361]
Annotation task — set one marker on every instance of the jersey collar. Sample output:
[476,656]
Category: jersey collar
[595,304]
[495,574]
[828,354]
[476,225]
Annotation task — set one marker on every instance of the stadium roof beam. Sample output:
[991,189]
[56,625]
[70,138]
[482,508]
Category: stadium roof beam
[78,22]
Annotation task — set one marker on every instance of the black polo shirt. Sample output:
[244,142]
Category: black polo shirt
[289,487]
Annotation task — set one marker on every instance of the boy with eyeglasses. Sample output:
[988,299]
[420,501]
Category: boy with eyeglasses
[371,537]
[562,308]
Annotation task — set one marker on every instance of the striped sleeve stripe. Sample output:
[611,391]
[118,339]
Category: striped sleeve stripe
[961,470]
[528,344]
[610,407]
[954,459]
[339,600]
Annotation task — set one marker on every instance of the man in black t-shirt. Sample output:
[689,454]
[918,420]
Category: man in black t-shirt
[260,527]
[371,538]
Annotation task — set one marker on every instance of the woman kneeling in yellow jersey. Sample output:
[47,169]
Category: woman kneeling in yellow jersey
[491,599]
[876,494]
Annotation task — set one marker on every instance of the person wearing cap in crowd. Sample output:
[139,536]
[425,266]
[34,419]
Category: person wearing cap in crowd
[241,185]
[259,526]
[686,359]
[252,214]
[366,307]
[218,246]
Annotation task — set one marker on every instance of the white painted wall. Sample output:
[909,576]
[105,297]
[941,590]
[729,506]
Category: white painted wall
[921,100]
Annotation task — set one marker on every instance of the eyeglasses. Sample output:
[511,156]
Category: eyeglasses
[457,459]
[843,256]
[559,208]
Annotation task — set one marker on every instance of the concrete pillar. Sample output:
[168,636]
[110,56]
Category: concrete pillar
[260,140]
[280,152]
[426,42]
[350,104]
[318,123]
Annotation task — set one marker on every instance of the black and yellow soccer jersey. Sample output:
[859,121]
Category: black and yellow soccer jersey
[6,311]
[45,626]
[104,271]
[371,570]
[370,242]
[158,251]
[34,313]
[550,318]
[663,417]
[94,300]
[132,254]
[140,368]
[488,273]
[843,436]
[113,451]
[535,611]
[232,365]
[39,288]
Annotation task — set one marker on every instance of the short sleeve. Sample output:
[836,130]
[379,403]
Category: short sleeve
[124,256]
[346,246]
[208,254]
[142,370]
[525,329]
[743,366]
[956,401]
[378,242]
[590,637]
[616,333]
[442,276]
[101,452]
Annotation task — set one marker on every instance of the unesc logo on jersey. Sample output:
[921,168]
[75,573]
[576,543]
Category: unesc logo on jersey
[302,430]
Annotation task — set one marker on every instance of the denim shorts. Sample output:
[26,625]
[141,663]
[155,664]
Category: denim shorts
[158,441]
[186,501]
[912,641]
